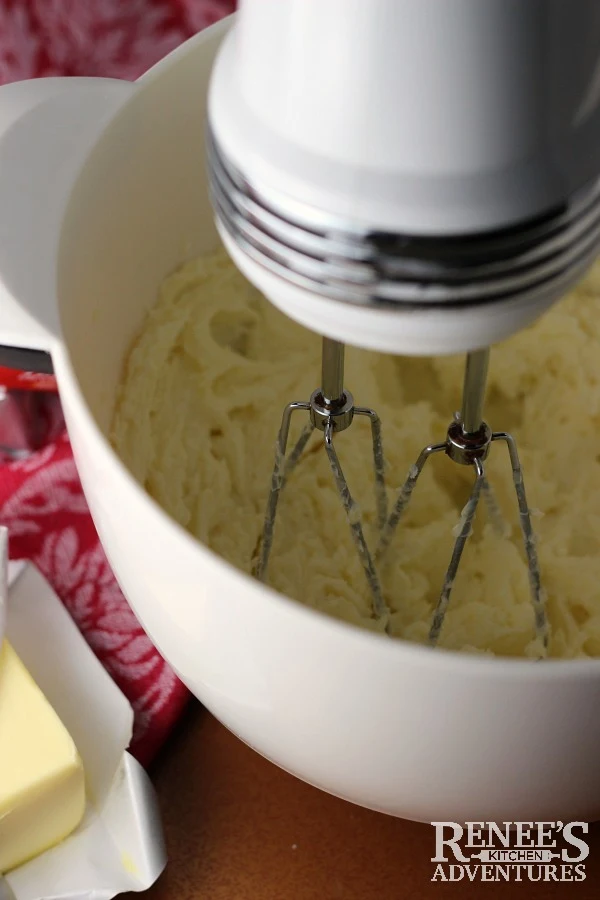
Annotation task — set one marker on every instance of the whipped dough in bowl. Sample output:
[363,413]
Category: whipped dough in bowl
[196,421]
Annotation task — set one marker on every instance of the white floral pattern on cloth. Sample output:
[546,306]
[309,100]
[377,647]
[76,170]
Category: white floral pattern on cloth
[42,504]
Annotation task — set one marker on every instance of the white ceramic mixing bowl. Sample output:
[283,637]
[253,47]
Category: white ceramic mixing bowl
[102,193]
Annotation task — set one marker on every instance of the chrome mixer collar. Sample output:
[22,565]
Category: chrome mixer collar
[308,249]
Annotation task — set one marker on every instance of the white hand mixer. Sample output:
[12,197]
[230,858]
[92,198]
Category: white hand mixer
[416,177]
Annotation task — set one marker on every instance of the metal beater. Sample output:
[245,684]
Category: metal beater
[468,441]
[331,410]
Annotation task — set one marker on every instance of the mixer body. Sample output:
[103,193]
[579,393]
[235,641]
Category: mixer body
[416,177]
[418,733]
[412,176]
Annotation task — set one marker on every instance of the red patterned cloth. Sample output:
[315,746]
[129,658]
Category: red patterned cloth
[41,500]
[49,523]
[112,38]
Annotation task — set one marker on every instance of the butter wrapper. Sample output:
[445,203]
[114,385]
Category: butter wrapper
[119,846]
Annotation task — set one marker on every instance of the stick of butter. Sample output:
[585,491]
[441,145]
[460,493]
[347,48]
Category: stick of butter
[42,785]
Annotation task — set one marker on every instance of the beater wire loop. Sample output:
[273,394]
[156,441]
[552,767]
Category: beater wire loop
[356,530]
[381,499]
[466,527]
[404,495]
[497,520]
[278,477]
[294,456]
[538,597]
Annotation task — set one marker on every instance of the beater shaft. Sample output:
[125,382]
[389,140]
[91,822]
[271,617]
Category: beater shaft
[332,371]
[476,369]
[471,419]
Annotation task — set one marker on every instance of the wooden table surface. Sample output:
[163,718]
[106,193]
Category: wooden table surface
[238,828]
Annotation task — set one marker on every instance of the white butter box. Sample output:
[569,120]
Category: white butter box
[119,846]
